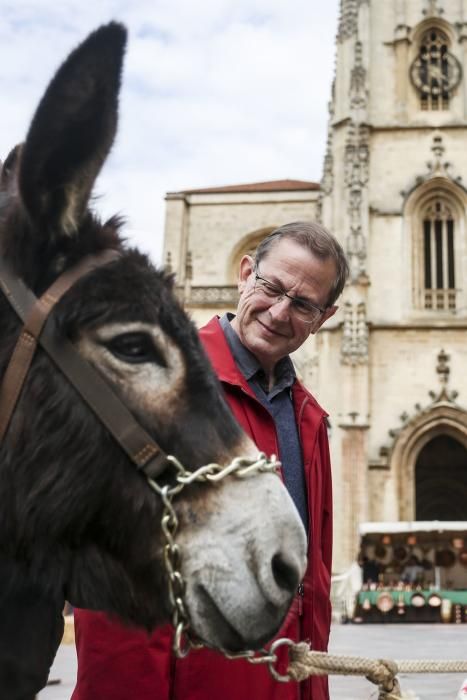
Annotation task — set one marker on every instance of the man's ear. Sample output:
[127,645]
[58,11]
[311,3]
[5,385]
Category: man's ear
[328,312]
[247,265]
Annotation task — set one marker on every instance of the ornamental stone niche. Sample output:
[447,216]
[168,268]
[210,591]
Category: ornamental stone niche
[354,349]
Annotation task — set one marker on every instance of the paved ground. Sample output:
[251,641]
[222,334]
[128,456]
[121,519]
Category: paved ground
[400,642]
[377,641]
[64,669]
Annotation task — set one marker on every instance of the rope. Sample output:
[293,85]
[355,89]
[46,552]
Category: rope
[382,672]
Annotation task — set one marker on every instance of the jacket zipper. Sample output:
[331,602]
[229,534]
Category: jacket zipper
[300,415]
[301,593]
[299,428]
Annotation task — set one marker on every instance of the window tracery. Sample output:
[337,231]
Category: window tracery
[438,290]
[435,72]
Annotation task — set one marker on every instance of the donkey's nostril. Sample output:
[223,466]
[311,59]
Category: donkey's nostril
[286,573]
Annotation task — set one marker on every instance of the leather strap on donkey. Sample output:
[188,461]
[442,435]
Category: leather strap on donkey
[39,328]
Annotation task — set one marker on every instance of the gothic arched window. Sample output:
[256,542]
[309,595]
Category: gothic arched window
[438,289]
[435,71]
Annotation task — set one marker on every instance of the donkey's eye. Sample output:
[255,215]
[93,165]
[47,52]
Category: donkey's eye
[136,348]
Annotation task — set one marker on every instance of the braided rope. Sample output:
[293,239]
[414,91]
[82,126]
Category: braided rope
[432,666]
[382,672]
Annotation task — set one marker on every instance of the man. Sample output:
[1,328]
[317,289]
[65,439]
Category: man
[413,571]
[286,292]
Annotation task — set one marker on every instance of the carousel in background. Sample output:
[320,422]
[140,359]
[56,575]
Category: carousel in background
[413,572]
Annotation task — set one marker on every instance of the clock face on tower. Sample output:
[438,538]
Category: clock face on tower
[436,78]
[435,72]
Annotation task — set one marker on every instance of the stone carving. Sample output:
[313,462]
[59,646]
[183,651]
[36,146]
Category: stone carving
[348,19]
[211,296]
[356,252]
[357,155]
[402,32]
[354,348]
[356,167]
[443,371]
[327,180]
[437,167]
[358,91]
[357,150]
[432,8]
[441,396]
[319,208]
[189,266]
[354,420]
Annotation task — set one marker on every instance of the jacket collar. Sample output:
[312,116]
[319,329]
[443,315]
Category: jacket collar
[217,348]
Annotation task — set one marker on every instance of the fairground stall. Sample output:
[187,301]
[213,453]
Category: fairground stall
[413,572]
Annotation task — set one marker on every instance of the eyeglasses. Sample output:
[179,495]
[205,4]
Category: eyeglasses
[301,308]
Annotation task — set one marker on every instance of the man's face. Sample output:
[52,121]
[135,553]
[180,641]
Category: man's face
[271,330]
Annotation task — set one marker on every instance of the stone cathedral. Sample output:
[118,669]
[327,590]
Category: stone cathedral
[391,366]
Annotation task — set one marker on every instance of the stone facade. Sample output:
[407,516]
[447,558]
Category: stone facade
[389,367]
[392,154]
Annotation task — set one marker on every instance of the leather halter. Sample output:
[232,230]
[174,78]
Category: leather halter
[39,329]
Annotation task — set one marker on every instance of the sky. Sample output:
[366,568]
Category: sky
[215,92]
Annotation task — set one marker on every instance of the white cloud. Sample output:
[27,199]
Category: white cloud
[218,92]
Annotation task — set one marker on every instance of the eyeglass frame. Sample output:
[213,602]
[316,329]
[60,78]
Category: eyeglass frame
[294,300]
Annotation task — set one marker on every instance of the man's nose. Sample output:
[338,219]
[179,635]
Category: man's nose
[280,311]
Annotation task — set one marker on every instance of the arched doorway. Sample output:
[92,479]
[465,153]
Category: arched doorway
[441,480]
[441,419]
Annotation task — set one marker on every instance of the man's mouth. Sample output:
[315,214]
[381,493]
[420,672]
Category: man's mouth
[273,331]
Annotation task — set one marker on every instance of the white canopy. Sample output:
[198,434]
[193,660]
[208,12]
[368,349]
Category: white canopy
[405,526]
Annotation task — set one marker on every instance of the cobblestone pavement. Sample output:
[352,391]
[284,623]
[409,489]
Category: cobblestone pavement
[400,642]
[376,641]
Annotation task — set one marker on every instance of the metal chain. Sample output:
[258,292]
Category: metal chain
[240,467]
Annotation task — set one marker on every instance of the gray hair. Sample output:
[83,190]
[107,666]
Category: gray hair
[319,241]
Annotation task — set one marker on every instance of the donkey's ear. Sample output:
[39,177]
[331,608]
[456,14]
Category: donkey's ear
[72,132]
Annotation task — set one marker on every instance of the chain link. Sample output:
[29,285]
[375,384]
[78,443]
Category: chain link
[240,467]
[265,656]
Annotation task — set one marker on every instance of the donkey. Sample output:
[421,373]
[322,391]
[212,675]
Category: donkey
[78,520]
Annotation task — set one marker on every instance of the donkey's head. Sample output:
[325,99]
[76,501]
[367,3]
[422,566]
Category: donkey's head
[74,511]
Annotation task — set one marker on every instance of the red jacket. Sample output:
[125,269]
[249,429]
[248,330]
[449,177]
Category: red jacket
[115,663]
